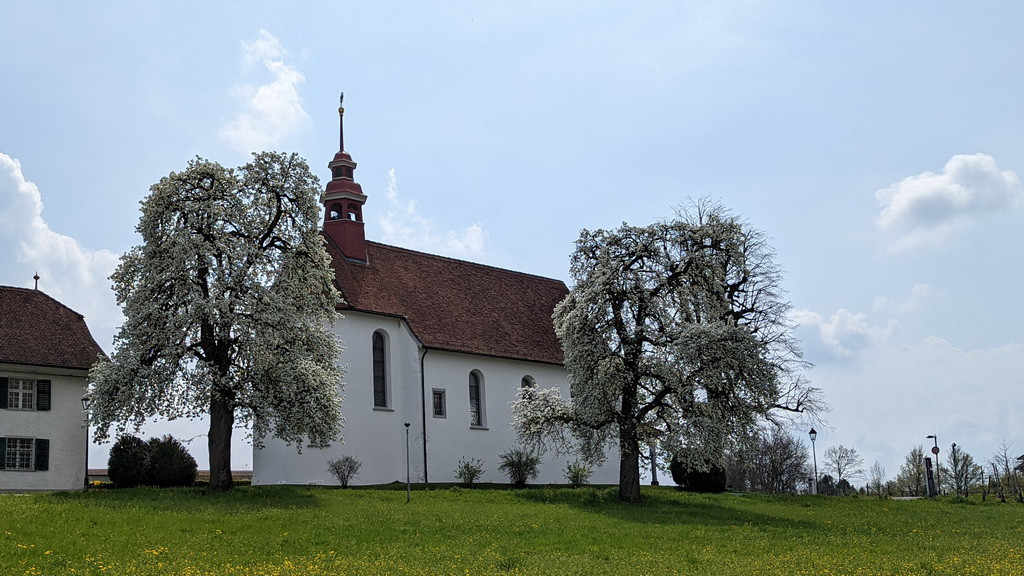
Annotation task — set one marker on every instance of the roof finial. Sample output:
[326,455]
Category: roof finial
[341,123]
[36,278]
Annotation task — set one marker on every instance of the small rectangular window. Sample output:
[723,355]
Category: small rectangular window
[440,407]
[21,394]
[18,454]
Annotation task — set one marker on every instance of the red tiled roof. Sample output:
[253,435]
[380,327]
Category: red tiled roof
[455,305]
[36,329]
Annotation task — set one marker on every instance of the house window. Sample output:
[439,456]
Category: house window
[440,405]
[19,454]
[476,400]
[25,453]
[528,382]
[24,394]
[21,394]
[380,374]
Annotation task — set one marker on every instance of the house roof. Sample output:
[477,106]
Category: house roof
[453,304]
[35,329]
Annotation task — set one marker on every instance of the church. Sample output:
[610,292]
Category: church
[435,351]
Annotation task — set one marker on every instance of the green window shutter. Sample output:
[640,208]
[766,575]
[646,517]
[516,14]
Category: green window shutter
[3,392]
[3,452]
[42,454]
[42,394]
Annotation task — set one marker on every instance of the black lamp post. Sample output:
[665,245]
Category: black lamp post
[85,408]
[814,436]
[408,482]
[935,451]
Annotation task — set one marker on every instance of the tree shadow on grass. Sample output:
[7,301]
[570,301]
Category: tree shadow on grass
[665,506]
[239,500]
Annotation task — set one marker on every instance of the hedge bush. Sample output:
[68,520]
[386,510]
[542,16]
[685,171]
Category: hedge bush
[170,464]
[128,464]
[158,462]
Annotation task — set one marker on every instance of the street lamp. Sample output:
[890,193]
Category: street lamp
[935,451]
[85,408]
[814,436]
[408,482]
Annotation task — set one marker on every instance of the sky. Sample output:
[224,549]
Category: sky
[877,144]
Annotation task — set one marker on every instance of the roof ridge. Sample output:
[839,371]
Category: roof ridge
[461,261]
[38,291]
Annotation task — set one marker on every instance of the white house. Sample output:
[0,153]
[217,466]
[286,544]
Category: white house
[45,353]
[436,349]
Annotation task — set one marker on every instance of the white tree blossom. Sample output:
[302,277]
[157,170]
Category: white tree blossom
[227,306]
[675,333]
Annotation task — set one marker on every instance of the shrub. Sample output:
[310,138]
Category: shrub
[170,464]
[520,465]
[712,480]
[469,471]
[128,464]
[158,462]
[577,473]
[344,469]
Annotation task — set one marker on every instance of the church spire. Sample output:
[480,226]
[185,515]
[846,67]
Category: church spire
[343,200]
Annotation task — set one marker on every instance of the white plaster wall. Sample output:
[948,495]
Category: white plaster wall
[63,425]
[452,438]
[377,437]
[374,436]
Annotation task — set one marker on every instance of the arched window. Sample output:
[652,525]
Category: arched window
[476,400]
[380,371]
[334,212]
[528,382]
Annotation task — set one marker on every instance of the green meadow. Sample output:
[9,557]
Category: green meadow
[292,531]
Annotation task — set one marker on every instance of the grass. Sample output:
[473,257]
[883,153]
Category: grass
[292,531]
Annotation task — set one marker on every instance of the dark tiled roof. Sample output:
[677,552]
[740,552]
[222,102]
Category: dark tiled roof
[456,305]
[36,329]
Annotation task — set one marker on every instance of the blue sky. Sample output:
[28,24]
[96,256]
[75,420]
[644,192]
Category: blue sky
[877,144]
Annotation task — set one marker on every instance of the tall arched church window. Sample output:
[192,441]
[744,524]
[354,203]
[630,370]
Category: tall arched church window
[476,399]
[380,374]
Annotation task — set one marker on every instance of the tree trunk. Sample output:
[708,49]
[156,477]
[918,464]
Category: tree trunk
[629,465]
[629,447]
[222,421]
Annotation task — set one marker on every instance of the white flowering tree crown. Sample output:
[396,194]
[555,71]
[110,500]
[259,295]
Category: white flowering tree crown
[673,333]
[227,303]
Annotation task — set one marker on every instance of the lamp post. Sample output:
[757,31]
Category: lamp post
[935,451]
[814,436]
[85,408]
[408,482]
[654,464]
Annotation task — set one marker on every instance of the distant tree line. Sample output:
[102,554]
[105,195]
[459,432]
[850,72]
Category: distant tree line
[774,461]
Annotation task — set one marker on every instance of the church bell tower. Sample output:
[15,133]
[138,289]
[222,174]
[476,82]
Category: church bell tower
[343,200]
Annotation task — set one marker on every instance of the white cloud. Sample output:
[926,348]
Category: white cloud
[920,295]
[891,397]
[844,334]
[270,112]
[929,208]
[71,273]
[404,226]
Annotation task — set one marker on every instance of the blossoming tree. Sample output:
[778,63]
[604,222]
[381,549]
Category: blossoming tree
[675,334]
[227,306]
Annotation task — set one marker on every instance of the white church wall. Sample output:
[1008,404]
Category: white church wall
[451,438]
[377,436]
